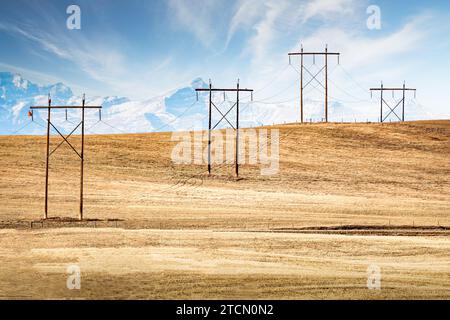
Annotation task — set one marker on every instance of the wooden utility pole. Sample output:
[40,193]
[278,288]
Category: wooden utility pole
[65,140]
[326,84]
[383,102]
[224,117]
[237,131]
[403,101]
[48,156]
[302,53]
[301,86]
[209,127]
[82,158]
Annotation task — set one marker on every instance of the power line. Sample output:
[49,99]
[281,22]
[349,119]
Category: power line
[273,80]
[176,118]
[39,124]
[357,99]
[95,124]
[113,127]
[352,79]
[22,128]
[278,102]
[340,100]
[280,92]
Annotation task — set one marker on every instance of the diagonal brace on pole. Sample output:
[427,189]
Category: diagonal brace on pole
[224,116]
[325,54]
[392,110]
[66,139]
[49,108]
[383,102]
[313,77]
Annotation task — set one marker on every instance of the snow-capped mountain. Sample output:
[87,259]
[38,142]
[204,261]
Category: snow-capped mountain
[176,110]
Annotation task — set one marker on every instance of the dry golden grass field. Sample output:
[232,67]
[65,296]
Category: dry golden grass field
[346,196]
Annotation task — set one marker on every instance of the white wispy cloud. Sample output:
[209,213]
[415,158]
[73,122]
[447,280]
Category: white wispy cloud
[201,18]
[276,19]
[359,49]
[326,9]
[103,62]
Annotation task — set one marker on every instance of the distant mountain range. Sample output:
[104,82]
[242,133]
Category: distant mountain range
[173,111]
[178,109]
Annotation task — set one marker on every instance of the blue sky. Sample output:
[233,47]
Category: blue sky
[140,49]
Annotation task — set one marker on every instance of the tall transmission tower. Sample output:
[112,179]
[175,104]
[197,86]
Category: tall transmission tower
[383,102]
[325,54]
[211,127]
[80,154]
